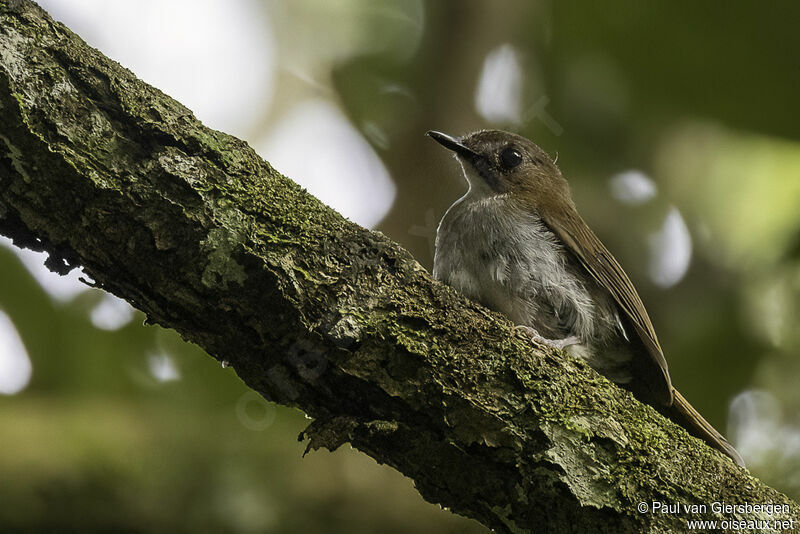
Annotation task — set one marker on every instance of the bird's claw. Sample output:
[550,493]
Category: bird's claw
[559,344]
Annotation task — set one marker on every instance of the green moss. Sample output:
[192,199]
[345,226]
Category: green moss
[221,268]
[16,157]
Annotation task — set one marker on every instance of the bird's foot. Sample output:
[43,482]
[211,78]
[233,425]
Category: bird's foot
[559,344]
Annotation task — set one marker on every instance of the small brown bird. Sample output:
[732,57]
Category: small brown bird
[515,243]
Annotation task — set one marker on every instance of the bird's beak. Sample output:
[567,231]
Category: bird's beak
[454,144]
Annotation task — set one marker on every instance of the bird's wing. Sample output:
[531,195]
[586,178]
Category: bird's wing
[595,258]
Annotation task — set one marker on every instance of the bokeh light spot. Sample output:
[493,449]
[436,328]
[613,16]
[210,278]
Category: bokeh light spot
[498,97]
[15,365]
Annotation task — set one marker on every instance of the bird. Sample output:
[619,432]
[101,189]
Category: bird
[516,243]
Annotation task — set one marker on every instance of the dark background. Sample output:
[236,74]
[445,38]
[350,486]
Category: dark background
[675,122]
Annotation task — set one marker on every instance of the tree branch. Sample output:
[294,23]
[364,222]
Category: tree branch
[189,225]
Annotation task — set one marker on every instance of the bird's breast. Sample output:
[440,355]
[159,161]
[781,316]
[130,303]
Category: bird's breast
[511,262]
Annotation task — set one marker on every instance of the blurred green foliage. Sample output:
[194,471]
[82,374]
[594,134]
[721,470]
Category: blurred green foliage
[699,97]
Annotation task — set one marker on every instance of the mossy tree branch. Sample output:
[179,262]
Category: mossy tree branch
[188,224]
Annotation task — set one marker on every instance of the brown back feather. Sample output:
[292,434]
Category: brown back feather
[606,271]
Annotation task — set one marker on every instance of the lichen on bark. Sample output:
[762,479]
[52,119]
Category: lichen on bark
[188,224]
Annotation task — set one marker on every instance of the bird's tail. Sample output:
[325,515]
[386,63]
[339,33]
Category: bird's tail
[685,415]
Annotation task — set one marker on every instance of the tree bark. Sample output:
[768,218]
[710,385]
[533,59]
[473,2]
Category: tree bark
[188,224]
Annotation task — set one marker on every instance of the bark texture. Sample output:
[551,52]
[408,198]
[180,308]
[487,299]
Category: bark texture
[188,224]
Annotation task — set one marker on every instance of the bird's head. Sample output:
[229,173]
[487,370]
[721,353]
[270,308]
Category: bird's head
[502,163]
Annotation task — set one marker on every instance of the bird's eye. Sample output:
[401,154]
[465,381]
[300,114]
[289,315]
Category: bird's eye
[510,157]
